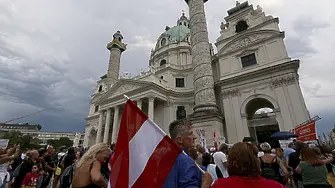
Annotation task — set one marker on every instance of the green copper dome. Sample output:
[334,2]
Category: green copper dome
[178,33]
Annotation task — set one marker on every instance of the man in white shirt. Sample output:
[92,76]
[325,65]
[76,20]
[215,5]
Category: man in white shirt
[220,159]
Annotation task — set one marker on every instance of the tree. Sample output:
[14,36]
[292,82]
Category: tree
[64,141]
[13,136]
[39,127]
[25,141]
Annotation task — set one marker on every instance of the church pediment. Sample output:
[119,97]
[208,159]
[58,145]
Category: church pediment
[248,39]
[123,87]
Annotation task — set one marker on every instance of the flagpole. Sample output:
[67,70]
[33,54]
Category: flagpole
[126,97]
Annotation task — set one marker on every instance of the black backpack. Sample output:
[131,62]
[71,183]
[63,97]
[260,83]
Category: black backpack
[67,175]
[218,172]
[270,170]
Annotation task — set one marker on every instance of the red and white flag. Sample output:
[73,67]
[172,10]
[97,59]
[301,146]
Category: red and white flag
[144,154]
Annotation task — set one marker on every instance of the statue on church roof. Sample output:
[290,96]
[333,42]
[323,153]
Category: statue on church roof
[237,3]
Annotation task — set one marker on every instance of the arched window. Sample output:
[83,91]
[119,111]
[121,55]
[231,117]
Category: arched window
[163,62]
[162,77]
[100,88]
[163,42]
[120,39]
[241,26]
[185,23]
[181,112]
[180,23]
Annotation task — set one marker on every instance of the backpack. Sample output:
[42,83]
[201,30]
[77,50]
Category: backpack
[67,175]
[270,170]
[218,172]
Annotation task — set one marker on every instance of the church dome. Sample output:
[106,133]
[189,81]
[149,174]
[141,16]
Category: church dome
[176,34]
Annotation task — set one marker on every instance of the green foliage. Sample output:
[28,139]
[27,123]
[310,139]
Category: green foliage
[14,137]
[25,141]
[61,142]
[39,127]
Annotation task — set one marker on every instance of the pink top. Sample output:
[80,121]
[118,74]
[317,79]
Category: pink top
[242,182]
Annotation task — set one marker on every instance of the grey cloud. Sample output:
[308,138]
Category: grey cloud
[52,57]
[305,27]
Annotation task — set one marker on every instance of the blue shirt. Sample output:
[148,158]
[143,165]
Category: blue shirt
[184,173]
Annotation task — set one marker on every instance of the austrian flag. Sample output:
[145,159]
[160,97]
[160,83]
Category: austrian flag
[144,154]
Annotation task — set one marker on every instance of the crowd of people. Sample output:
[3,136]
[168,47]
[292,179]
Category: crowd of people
[35,168]
[240,165]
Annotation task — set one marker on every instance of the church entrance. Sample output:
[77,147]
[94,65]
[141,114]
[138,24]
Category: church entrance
[262,121]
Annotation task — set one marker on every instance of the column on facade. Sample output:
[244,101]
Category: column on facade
[245,126]
[201,58]
[151,108]
[107,125]
[139,103]
[115,124]
[280,121]
[98,140]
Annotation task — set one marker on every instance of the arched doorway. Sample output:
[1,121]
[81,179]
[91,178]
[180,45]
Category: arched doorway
[262,121]
[92,137]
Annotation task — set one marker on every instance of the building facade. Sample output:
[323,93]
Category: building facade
[221,92]
[34,131]
[76,138]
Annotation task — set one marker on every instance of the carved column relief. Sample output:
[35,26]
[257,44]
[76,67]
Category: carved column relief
[201,58]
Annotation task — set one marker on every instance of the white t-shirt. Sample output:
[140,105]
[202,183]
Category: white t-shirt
[219,159]
[212,171]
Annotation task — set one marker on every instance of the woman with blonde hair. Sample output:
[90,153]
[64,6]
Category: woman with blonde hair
[88,169]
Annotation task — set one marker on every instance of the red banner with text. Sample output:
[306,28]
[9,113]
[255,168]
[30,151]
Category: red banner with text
[306,132]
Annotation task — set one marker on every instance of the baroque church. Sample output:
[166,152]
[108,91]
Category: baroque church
[222,93]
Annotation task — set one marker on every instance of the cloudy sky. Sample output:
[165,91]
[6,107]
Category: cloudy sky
[52,52]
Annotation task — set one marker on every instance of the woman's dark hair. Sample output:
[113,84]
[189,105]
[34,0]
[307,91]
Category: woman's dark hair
[243,160]
[300,145]
[41,152]
[206,159]
[70,150]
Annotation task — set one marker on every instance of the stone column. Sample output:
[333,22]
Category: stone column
[116,47]
[98,140]
[151,108]
[139,103]
[115,124]
[114,64]
[108,121]
[201,58]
